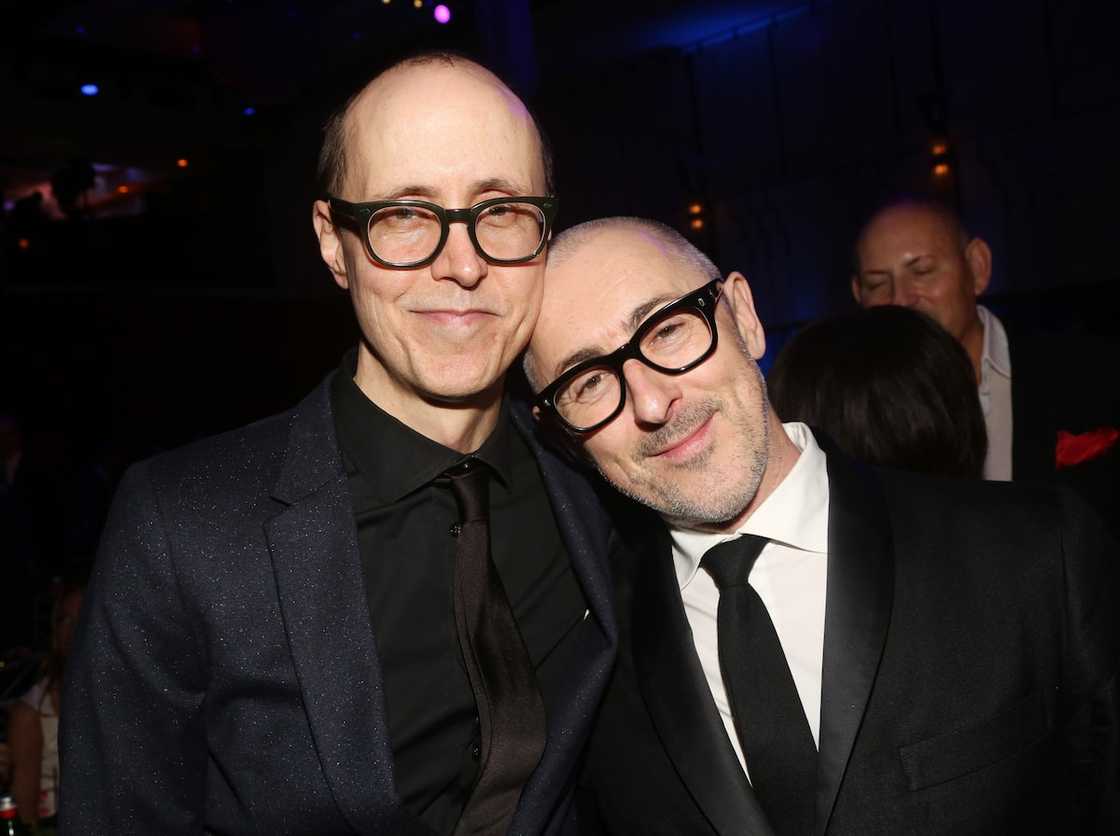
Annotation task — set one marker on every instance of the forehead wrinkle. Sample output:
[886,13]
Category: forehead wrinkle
[628,324]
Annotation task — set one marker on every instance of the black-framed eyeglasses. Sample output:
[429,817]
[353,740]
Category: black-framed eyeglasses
[678,337]
[411,233]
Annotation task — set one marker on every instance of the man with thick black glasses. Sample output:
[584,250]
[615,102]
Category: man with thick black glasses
[807,645]
[386,611]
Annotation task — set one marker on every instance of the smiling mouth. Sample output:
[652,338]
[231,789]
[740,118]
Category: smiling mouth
[453,318]
[688,445]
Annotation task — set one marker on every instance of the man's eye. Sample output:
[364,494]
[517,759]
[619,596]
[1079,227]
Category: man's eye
[667,331]
[589,386]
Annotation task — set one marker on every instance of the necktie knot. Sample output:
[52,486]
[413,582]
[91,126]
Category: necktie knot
[470,482]
[730,562]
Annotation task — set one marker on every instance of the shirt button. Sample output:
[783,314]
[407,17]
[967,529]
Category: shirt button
[455,530]
[476,751]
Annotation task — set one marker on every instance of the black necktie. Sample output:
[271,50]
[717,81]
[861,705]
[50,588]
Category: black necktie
[769,718]
[510,709]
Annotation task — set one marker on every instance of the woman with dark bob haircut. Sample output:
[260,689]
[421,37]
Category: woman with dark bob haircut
[889,386]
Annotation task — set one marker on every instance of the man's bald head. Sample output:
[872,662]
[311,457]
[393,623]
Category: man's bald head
[676,245]
[575,240]
[338,131]
[903,209]
[917,254]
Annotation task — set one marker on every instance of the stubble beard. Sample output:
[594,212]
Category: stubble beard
[673,489]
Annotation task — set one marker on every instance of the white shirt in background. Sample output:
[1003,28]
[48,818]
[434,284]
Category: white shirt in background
[995,396]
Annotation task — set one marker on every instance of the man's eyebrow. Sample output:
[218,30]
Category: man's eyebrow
[914,259]
[499,184]
[631,324]
[491,184]
[408,191]
[643,310]
[577,356]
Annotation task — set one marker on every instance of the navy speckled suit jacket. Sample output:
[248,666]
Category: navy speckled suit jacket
[225,677]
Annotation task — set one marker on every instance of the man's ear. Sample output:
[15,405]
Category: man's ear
[855,290]
[979,257]
[737,292]
[330,243]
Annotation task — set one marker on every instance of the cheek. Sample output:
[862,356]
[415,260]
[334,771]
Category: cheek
[608,450]
[524,292]
[376,292]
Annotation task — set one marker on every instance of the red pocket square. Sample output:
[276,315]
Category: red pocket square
[1075,448]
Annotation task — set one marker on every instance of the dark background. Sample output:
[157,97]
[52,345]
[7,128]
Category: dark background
[174,302]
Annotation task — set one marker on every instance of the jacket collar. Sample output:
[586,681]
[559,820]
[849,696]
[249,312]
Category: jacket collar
[680,702]
[857,616]
[314,548]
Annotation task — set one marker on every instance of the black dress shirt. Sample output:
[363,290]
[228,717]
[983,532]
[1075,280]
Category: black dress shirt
[404,511]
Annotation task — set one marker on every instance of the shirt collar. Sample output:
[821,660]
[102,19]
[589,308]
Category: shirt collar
[795,514]
[997,353]
[393,457]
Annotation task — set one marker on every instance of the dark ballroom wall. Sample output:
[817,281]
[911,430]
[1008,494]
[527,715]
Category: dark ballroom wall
[788,130]
[786,127]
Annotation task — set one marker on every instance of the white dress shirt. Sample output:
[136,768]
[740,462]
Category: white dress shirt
[995,396]
[789,576]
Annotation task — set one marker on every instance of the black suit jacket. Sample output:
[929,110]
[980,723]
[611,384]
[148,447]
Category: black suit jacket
[1066,383]
[968,683]
[1058,383]
[225,675]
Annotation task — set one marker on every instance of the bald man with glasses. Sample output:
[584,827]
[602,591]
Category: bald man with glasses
[387,610]
[807,645]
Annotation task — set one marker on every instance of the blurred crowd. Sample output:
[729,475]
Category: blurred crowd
[53,502]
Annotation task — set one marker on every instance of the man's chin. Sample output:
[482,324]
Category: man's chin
[458,389]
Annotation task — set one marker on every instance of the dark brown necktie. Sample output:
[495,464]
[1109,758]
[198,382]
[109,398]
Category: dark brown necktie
[773,731]
[510,709]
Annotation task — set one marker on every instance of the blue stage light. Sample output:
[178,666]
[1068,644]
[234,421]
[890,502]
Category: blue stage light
[90,89]
[249,111]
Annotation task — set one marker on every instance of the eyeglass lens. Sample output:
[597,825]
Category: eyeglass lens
[668,343]
[408,234]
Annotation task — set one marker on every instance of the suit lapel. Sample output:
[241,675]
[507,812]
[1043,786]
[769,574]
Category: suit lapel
[319,580]
[679,701]
[586,532]
[857,615]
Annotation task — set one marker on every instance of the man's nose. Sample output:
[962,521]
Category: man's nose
[902,294]
[459,261]
[651,393]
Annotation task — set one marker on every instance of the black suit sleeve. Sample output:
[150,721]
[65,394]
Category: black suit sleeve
[1090,703]
[133,750]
